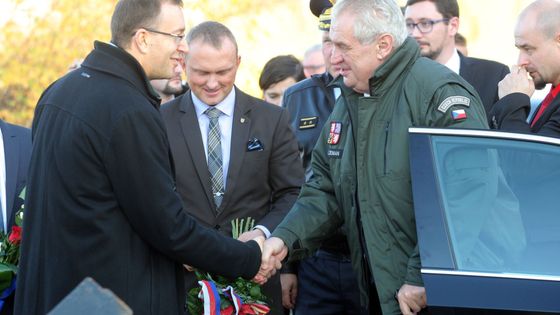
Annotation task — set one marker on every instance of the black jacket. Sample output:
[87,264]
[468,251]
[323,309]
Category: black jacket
[484,76]
[101,200]
[17,150]
[511,112]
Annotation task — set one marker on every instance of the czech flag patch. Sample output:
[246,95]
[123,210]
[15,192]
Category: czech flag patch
[459,114]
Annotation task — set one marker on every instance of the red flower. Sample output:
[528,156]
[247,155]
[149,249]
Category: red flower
[15,236]
[254,309]
[227,311]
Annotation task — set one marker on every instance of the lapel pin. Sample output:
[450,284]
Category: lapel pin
[243,120]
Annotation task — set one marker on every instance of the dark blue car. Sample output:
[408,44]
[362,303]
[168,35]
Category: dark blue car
[487,208]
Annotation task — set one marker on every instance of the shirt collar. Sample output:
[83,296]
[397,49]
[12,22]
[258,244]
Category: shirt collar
[226,106]
[454,63]
[555,90]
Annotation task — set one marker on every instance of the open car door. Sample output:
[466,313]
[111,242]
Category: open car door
[487,208]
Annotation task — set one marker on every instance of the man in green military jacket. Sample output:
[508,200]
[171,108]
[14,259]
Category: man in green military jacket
[361,177]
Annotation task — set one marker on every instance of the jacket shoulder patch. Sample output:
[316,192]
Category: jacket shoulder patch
[308,122]
[453,100]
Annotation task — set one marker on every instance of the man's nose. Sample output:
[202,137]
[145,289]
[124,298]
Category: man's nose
[336,56]
[212,82]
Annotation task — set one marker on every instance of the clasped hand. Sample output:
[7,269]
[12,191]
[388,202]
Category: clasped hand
[273,252]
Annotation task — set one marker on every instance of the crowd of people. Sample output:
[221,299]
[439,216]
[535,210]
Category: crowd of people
[136,175]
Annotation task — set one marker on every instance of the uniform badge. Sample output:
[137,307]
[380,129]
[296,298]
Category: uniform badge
[453,100]
[334,134]
[308,122]
[459,114]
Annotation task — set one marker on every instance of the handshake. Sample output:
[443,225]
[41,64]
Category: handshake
[273,252]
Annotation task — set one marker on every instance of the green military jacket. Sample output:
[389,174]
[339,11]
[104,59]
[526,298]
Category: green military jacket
[361,169]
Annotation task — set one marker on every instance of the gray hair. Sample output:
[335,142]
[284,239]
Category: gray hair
[312,49]
[373,18]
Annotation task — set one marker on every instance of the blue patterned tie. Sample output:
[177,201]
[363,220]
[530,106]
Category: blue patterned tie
[215,155]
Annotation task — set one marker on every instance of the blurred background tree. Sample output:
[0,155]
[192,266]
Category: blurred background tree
[40,39]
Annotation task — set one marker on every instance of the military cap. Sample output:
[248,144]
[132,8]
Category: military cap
[322,9]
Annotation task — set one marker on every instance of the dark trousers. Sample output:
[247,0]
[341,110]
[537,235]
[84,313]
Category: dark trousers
[327,285]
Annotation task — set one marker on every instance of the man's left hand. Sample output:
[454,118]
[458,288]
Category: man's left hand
[412,299]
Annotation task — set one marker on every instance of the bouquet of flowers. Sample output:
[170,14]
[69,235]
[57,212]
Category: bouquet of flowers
[9,255]
[219,295]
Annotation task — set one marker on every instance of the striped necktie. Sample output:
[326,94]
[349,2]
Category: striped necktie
[215,163]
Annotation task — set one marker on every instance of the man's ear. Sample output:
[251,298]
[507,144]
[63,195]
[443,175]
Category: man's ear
[453,26]
[384,47]
[141,41]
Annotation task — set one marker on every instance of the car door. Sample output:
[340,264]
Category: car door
[487,208]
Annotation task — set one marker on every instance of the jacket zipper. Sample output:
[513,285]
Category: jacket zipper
[385,149]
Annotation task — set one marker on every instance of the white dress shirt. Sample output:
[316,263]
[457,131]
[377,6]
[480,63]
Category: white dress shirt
[226,125]
[454,63]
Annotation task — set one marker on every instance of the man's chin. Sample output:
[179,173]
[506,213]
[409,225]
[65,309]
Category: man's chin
[539,84]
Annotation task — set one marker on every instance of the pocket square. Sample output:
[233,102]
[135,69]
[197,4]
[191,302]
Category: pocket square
[254,145]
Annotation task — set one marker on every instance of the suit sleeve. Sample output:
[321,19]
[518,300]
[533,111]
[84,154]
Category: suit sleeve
[139,168]
[511,113]
[285,173]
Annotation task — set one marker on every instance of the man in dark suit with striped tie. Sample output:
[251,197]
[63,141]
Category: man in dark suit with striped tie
[235,155]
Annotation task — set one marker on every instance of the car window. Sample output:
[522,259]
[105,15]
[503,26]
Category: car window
[501,203]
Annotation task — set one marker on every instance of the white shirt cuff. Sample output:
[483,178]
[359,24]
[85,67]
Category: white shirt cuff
[264,229]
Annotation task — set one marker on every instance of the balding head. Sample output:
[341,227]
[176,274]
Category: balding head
[543,16]
[537,35]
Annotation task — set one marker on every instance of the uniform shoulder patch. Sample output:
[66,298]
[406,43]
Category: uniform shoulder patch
[453,100]
[334,133]
[308,122]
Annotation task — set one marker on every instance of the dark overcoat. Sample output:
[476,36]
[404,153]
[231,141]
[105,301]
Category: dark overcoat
[102,202]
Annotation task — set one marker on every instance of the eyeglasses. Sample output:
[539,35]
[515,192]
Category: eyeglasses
[176,37]
[424,26]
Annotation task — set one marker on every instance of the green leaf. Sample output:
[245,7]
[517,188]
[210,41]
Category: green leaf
[6,275]
[255,292]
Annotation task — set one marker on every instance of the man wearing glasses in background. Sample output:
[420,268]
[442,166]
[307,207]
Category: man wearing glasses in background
[101,195]
[433,24]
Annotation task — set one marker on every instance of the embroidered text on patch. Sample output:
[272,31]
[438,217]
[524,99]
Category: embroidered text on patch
[453,100]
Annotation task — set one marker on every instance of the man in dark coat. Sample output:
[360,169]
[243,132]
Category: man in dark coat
[434,24]
[101,200]
[261,172]
[15,150]
[537,35]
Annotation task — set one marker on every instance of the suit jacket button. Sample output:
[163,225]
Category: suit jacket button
[217,227]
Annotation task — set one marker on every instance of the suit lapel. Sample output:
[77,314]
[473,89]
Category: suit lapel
[551,109]
[11,145]
[195,146]
[239,136]
[464,68]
